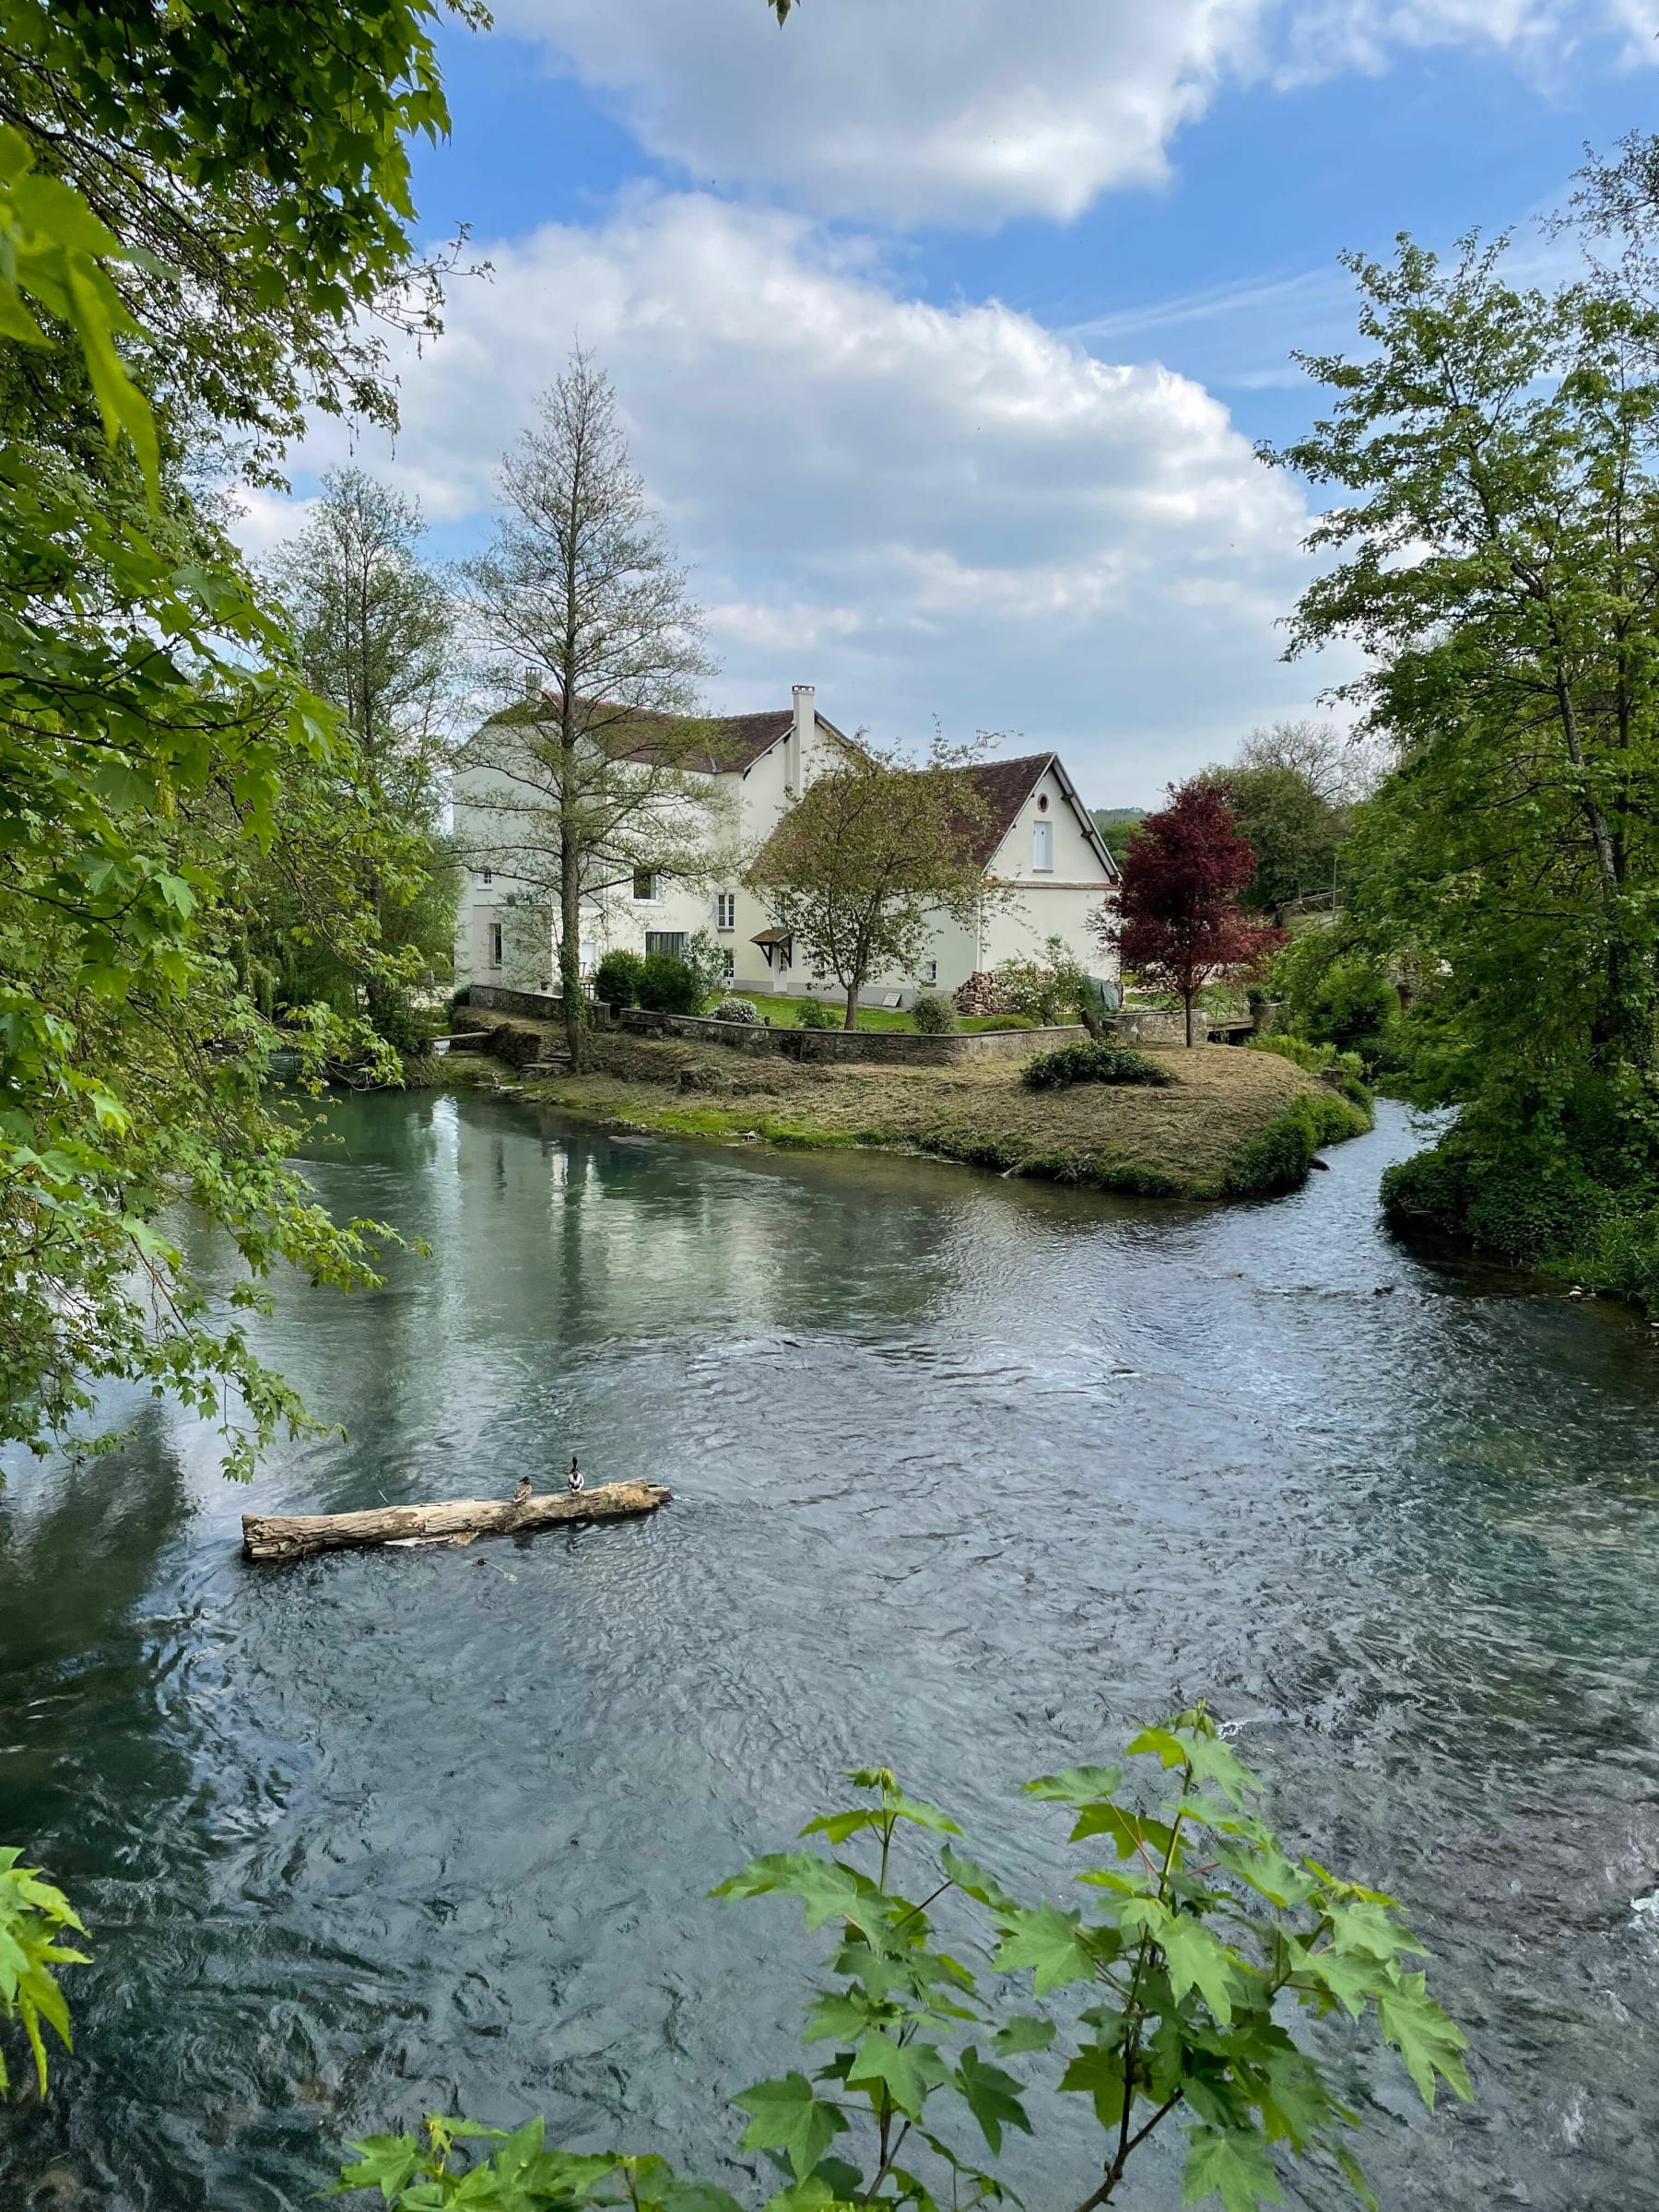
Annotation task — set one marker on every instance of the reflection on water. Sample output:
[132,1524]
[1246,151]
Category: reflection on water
[969,1475]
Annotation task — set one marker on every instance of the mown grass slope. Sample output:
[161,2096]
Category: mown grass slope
[1231,1124]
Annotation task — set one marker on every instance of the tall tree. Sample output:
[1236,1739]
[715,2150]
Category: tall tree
[1294,831]
[1178,921]
[596,775]
[376,632]
[1496,538]
[863,867]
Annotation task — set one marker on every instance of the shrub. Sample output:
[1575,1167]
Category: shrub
[616,979]
[668,985]
[737,1009]
[933,1015]
[706,961]
[1047,991]
[1342,1071]
[1091,1063]
[813,1015]
[1006,1021]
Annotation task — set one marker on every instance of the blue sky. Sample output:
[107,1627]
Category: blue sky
[944,328]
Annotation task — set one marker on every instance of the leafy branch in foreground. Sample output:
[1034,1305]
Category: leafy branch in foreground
[32,1916]
[1202,1931]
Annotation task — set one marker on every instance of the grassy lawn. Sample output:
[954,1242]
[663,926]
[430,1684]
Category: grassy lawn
[781,1012]
[1232,1122]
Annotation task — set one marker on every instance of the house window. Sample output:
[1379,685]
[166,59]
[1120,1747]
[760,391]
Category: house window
[728,962]
[495,943]
[485,875]
[725,910]
[930,971]
[1042,847]
[647,887]
[671,941]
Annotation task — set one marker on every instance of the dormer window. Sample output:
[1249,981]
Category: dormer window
[485,875]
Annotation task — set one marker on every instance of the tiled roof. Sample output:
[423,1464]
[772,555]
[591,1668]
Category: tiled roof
[1002,788]
[718,744]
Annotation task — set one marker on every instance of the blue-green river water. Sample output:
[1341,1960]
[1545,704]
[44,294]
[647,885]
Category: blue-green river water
[971,1476]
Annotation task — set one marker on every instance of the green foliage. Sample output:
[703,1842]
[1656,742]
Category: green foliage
[1198,1940]
[812,1014]
[877,848]
[1342,1071]
[1336,992]
[1490,469]
[1092,1063]
[933,1015]
[1277,1159]
[737,1009]
[708,964]
[253,164]
[155,734]
[670,985]
[1049,990]
[1293,831]
[1117,826]
[33,1916]
[616,979]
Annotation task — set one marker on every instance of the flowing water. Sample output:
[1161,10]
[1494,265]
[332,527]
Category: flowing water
[969,1475]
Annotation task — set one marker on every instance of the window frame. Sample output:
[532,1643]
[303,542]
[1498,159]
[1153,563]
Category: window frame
[1042,847]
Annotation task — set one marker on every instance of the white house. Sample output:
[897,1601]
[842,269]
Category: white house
[1047,871]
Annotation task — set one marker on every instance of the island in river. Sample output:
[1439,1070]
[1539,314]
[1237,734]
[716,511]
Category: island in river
[1231,1123]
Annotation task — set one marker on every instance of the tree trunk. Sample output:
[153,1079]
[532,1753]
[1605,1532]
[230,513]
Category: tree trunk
[852,1019]
[569,917]
[1188,1023]
[291,1536]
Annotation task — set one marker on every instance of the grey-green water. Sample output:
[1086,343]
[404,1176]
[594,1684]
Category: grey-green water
[969,1475]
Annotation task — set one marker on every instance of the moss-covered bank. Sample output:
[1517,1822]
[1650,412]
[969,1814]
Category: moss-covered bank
[1231,1124]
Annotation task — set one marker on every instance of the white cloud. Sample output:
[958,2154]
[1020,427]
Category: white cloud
[924,511]
[974,112]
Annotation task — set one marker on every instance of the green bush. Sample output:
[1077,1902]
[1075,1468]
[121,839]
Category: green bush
[737,1009]
[812,1014]
[668,985]
[933,1015]
[1342,1071]
[1048,991]
[1091,1063]
[1006,1021]
[616,979]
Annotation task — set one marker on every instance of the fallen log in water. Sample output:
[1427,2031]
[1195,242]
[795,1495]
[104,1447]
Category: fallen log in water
[291,1536]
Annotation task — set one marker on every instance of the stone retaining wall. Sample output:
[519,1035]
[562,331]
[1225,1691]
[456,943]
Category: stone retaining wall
[893,1047]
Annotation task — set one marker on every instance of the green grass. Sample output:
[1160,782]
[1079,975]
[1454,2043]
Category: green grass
[782,1012]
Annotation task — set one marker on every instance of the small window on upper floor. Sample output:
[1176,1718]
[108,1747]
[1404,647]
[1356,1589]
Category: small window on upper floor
[647,887]
[725,910]
[1042,847]
[495,943]
[485,875]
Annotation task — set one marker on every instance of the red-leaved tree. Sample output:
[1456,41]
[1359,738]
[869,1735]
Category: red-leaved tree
[1177,920]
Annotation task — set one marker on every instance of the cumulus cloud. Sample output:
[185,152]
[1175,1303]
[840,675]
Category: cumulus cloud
[973,112]
[924,511]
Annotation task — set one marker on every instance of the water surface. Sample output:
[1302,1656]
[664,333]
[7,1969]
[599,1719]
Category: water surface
[971,1476]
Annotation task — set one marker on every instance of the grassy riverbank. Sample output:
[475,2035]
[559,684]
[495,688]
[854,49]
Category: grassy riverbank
[1232,1125]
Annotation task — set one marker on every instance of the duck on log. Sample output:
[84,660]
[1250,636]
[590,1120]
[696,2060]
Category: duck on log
[292,1536]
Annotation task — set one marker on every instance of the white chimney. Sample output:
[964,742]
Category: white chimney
[800,734]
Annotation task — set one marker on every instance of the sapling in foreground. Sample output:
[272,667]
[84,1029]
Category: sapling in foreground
[1167,2000]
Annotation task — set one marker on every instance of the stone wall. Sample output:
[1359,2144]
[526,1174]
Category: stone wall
[539,1005]
[893,1047]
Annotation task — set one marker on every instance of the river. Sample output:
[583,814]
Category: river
[971,1476]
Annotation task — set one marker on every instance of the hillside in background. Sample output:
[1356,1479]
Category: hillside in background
[1117,826]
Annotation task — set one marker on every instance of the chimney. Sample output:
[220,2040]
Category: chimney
[532,683]
[794,750]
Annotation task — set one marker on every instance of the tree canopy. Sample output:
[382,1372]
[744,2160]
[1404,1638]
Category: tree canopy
[876,852]
[1177,922]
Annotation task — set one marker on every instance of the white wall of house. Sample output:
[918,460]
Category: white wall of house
[1046,878]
